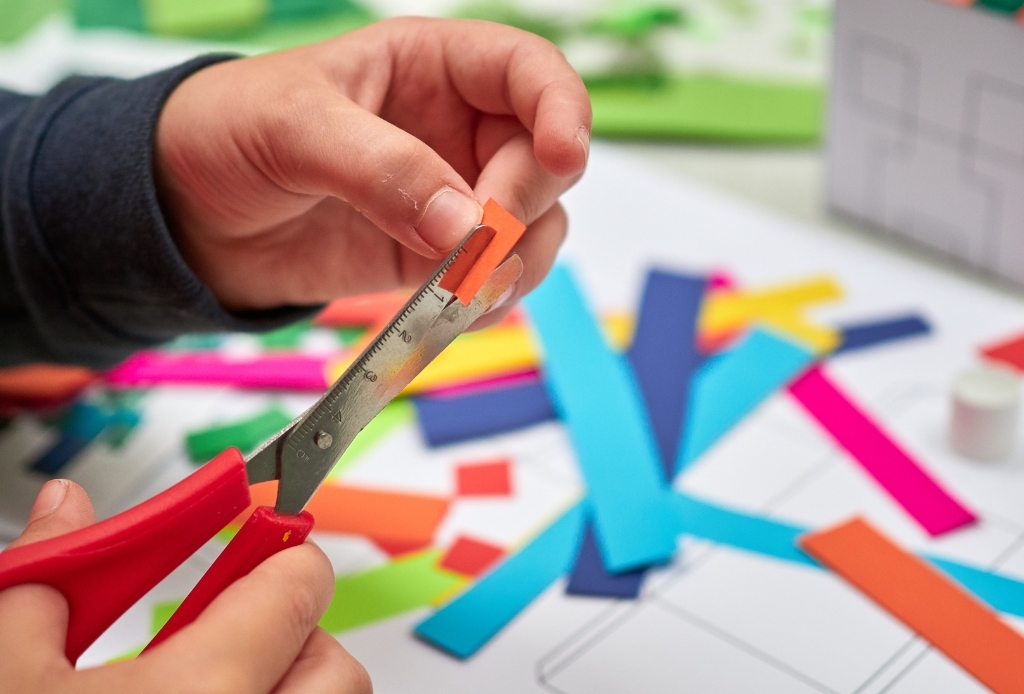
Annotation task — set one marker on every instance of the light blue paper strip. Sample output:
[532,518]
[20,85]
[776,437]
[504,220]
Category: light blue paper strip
[599,400]
[1004,594]
[740,530]
[728,388]
[764,536]
[469,621]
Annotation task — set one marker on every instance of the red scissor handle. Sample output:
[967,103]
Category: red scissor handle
[264,534]
[104,569]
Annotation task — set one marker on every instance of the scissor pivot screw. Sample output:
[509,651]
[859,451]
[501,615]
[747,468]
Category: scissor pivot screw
[323,440]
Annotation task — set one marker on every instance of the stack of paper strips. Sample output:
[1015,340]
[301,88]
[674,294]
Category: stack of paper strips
[643,480]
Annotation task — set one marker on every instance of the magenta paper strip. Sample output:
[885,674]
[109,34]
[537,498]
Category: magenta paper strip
[290,372]
[503,381]
[900,475]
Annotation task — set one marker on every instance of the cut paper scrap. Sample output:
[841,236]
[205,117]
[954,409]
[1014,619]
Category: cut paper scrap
[600,404]
[508,231]
[361,311]
[35,385]
[473,618]
[271,372]
[492,478]
[395,414]
[402,585]
[395,521]
[664,354]
[925,600]
[245,435]
[1009,352]
[451,419]
[868,334]
[471,557]
[589,577]
[731,310]
[730,386]
[879,455]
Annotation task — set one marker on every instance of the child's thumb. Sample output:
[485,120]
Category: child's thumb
[60,507]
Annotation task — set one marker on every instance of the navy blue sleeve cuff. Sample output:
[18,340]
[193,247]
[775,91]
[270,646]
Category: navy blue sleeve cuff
[91,272]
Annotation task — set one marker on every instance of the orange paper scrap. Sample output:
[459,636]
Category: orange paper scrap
[392,520]
[508,232]
[926,600]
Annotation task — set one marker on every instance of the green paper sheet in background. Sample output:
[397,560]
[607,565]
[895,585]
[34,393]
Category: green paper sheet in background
[710,107]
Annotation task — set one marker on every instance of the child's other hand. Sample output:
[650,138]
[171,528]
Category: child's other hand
[353,165]
[260,635]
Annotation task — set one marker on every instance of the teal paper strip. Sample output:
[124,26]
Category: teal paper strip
[729,387]
[740,530]
[472,619]
[778,540]
[599,400]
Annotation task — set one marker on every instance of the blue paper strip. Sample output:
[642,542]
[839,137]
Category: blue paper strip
[79,427]
[446,420]
[469,621]
[594,391]
[589,576]
[740,530]
[728,387]
[664,355]
[1001,592]
[860,335]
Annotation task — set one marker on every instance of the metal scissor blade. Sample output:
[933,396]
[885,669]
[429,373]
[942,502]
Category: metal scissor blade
[311,449]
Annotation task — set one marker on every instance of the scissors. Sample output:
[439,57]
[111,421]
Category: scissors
[105,568]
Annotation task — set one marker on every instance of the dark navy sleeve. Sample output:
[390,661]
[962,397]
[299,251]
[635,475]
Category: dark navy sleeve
[88,269]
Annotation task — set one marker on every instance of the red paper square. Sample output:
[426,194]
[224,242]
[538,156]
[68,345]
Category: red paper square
[491,478]
[470,557]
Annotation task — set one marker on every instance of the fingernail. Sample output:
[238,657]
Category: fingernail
[449,217]
[49,499]
[503,299]
[583,135]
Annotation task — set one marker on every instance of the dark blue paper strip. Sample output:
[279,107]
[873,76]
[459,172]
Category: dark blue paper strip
[450,419]
[664,355]
[860,335]
[590,578]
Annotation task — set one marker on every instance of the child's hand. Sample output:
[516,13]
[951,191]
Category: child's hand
[353,165]
[260,635]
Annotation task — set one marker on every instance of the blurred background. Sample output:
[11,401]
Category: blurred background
[730,92]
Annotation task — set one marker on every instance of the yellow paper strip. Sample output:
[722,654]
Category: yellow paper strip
[729,311]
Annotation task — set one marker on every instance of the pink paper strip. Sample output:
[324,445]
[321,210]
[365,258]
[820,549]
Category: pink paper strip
[503,381]
[900,475]
[277,372]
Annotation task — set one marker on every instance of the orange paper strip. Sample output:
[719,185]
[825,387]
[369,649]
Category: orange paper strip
[359,311]
[926,600]
[43,382]
[392,519]
[508,231]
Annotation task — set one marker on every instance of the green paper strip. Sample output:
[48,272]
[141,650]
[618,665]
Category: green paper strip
[709,107]
[397,413]
[244,435]
[287,337]
[17,17]
[118,14]
[197,17]
[409,583]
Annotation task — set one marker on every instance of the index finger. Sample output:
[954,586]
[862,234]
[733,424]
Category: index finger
[506,71]
[249,636]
